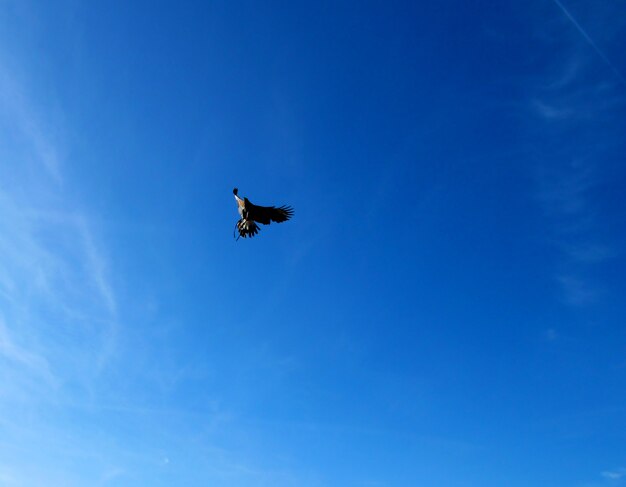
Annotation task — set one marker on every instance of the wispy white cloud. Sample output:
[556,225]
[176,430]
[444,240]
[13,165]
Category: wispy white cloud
[59,309]
[45,258]
[567,73]
[564,190]
[590,41]
[574,111]
[588,105]
[615,474]
[61,343]
[12,351]
[572,90]
[14,103]
[97,266]
[590,252]
[566,196]
[552,112]
[577,290]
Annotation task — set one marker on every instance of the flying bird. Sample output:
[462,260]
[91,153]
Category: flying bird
[252,214]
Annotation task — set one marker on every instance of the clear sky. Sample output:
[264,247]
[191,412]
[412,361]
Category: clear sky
[445,309]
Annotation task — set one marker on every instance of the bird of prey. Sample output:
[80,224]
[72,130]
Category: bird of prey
[252,214]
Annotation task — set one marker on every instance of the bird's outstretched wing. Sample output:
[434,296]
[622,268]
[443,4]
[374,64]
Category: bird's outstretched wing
[267,214]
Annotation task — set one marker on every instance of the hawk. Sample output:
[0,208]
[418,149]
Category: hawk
[252,214]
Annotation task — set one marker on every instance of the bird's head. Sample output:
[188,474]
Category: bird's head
[235,191]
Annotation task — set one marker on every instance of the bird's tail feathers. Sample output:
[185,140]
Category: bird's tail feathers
[247,228]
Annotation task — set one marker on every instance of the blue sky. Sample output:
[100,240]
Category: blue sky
[445,308]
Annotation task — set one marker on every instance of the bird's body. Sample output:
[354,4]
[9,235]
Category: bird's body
[252,214]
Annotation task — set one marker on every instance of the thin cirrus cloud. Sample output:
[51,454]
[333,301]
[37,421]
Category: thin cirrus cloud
[615,474]
[22,357]
[58,306]
[590,41]
[566,198]
[28,125]
[48,245]
[60,338]
[576,106]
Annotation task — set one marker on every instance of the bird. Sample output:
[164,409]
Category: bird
[252,214]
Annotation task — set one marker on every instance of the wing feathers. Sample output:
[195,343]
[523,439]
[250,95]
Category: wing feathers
[267,214]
